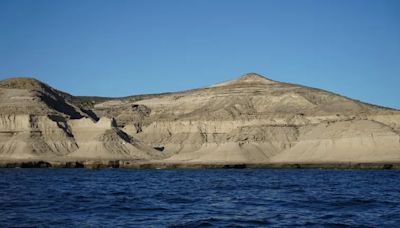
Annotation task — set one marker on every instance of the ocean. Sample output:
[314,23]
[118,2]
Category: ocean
[199,198]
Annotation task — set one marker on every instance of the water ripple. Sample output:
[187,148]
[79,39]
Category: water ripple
[199,198]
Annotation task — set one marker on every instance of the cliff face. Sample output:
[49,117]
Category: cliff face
[39,122]
[250,119]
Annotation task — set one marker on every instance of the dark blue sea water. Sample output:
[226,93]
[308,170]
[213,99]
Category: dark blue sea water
[199,198]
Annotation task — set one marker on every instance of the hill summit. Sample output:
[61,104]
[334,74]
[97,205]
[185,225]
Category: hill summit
[249,78]
[22,83]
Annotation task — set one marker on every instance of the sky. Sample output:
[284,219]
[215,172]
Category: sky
[119,48]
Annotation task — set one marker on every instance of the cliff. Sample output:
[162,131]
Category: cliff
[248,120]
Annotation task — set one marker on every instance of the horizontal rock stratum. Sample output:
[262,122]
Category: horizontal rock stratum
[248,120]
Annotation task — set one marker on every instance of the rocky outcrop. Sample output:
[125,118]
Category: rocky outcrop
[39,122]
[344,141]
[29,136]
[248,120]
[103,140]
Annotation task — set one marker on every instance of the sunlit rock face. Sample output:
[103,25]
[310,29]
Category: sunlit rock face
[39,122]
[251,119]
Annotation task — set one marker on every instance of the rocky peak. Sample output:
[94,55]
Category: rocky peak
[253,77]
[249,78]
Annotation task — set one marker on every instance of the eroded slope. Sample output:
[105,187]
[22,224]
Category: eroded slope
[250,119]
[253,119]
[39,122]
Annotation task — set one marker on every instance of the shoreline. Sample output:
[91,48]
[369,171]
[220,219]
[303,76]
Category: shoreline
[129,164]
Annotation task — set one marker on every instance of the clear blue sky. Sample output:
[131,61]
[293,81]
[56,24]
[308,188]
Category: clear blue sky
[118,48]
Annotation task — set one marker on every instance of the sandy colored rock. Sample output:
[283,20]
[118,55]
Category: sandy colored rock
[355,140]
[39,122]
[250,120]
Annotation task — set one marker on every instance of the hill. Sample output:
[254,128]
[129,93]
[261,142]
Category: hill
[248,120]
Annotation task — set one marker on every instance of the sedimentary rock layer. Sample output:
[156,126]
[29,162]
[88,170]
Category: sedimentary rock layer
[248,120]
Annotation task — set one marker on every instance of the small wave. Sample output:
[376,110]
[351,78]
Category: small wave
[199,198]
[207,222]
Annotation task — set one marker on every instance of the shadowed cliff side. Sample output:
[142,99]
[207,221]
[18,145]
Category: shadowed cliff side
[39,122]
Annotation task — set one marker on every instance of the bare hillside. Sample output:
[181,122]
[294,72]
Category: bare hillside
[250,119]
